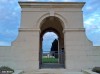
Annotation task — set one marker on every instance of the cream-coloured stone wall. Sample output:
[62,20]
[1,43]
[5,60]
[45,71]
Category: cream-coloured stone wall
[30,19]
[24,52]
[6,56]
[72,19]
[78,51]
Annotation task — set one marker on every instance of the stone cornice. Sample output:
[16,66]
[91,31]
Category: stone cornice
[28,30]
[28,4]
[74,30]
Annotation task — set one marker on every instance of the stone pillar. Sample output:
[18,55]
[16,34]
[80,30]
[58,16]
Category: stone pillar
[26,49]
[76,46]
[40,52]
[61,55]
[65,49]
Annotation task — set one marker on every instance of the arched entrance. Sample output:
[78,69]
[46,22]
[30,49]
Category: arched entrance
[50,48]
[52,24]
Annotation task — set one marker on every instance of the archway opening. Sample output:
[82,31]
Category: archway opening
[53,57]
[50,47]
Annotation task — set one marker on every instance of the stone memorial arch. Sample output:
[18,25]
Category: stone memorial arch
[54,24]
[63,18]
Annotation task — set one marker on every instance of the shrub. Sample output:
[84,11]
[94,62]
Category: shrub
[6,70]
[96,69]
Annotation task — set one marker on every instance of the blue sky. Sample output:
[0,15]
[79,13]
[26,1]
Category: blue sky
[48,38]
[10,19]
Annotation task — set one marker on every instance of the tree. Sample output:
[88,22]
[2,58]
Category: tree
[54,48]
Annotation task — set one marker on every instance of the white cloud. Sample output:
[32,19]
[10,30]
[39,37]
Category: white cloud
[89,8]
[89,21]
[66,0]
[4,43]
[27,0]
[92,21]
[49,34]
[48,38]
[96,43]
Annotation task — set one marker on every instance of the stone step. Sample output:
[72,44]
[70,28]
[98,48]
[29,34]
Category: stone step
[53,71]
[61,73]
[56,73]
[52,66]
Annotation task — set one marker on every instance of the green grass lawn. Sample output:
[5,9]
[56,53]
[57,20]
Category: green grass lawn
[49,60]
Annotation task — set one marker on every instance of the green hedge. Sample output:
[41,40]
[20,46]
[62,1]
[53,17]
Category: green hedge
[49,60]
[96,69]
[6,70]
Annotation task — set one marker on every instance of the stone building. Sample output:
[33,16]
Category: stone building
[63,18]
